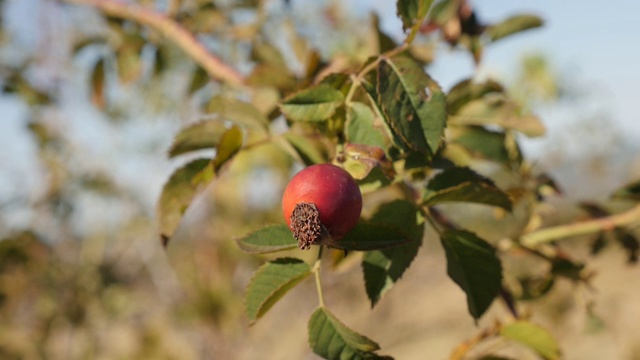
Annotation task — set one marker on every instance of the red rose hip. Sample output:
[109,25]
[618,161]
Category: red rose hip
[321,204]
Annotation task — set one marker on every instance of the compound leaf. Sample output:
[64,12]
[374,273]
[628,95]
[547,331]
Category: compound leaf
[461,184]
[268,239]
[383,268]
[513,25]
[201,135]
[413,104]
[333,340]
[472,263]
[317,103]
[271,282]
[177,194]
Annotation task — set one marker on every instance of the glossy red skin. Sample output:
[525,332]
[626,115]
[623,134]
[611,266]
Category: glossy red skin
[334,192]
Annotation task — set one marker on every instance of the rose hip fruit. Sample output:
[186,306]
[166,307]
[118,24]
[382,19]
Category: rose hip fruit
[321,204]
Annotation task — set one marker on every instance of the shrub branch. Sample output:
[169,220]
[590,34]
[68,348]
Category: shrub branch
[626,218]
[173,31]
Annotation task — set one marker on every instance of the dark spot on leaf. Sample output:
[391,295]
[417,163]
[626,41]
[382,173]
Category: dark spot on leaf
[425,94]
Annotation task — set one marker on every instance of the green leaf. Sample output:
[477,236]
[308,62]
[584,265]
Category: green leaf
[496,110]
[271,238]
[201,135]
[239,112]
[316,103]
[263,52]
[177,195]
[272,76]
[333,340]
[461,184]
[383,268]
[412,13]
[360,126]
[199,79]
[230,143]
[513,25]
[534,337]
[370,85]
[271,282]
[360,160]
[473,264]
[443,11]
[367,236]
[188,180]
[310,150]
[413,104]
[630,192]
[484,143]
[468,90]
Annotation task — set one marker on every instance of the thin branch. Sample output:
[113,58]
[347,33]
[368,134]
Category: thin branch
[316,271]
[582,228]
[173,31]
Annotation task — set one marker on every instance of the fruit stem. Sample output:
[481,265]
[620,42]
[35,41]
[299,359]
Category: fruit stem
[316,270]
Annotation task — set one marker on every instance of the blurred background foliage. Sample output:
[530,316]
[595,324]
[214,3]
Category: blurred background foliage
[82,271]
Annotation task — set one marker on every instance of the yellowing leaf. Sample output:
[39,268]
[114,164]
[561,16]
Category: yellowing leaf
[534,337]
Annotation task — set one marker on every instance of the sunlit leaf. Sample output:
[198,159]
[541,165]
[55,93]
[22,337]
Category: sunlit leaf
[412,13]
[201,135]
[360,129]
[268,239]
[199,79]
[230,143]
[333,340]
[473,264]
[271,282]
[461,184]
[413,104]
[239,112]
[496,110]
[310,151]
[468,90]
[317,103]
[513,25]
[187,181]
[534,337]
[263,52]
[485,144]
[273,76]
[443,11]
[177,195]
[360,160]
